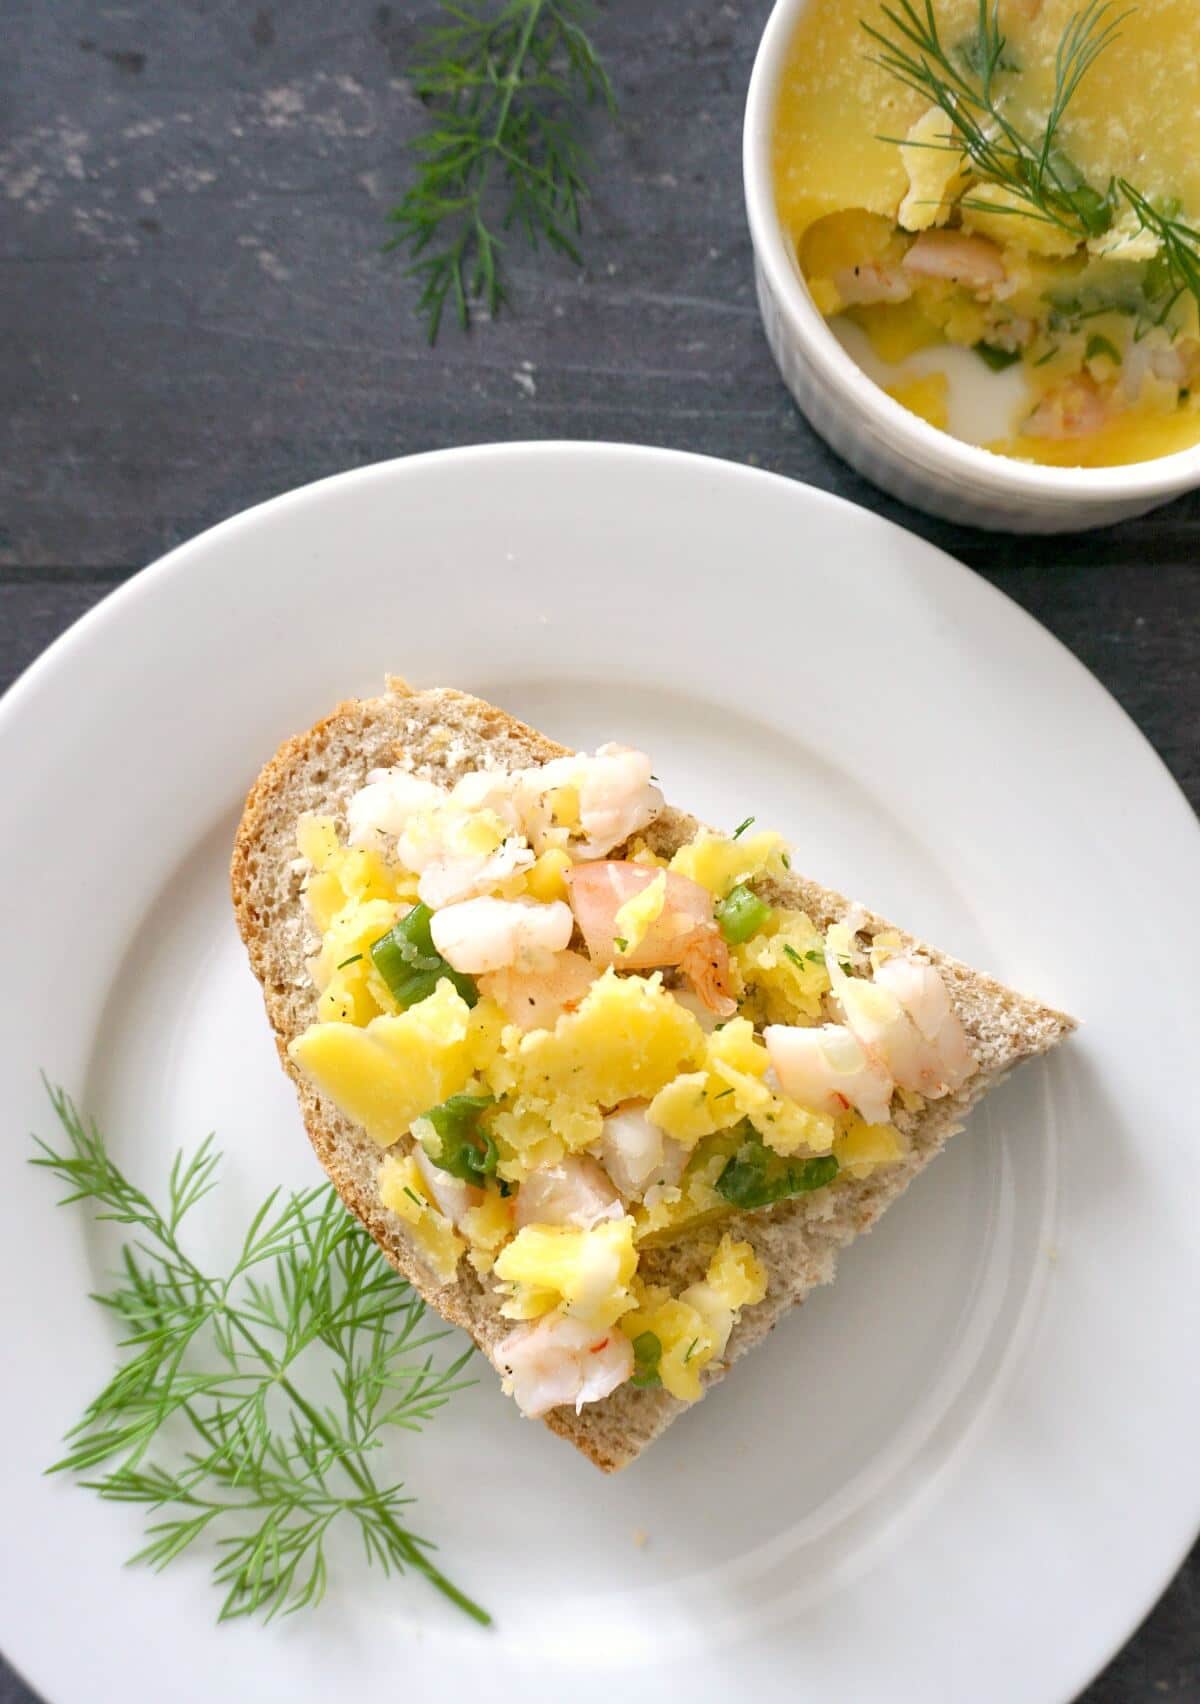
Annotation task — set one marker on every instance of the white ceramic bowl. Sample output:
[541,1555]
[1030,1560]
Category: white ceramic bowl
[876,434]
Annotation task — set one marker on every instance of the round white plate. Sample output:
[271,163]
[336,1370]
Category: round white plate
[967,1469]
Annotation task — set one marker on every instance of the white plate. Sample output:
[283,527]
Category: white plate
[967,1469]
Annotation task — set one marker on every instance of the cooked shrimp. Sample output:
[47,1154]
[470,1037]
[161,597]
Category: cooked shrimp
[1075,409]
[868,283]
[450,1195]
[577,1191]
[637,1154]
[381,809]
[826,1068]
[555,1360]
[921,991]
[682,934]
[537,996]
[974,262]
[611,793]
[882,1025]
[479,935]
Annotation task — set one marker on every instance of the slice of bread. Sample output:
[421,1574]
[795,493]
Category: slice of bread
[442,734]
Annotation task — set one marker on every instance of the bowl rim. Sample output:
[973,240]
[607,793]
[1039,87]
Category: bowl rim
[892,426]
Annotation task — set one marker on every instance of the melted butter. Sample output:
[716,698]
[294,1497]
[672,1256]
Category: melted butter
[1134,115]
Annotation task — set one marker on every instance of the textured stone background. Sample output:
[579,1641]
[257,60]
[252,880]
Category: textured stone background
[195,315]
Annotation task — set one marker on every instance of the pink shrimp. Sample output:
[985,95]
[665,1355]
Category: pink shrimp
[537,996]
[683,933]
[577,1191]
[974,262]
[867,283]
[555,1360]
[1076,409]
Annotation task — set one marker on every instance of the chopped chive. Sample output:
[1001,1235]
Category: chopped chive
[412,1196]
[353,959]
[691,1350]
[722,1094]
[742,827]
[1048,356]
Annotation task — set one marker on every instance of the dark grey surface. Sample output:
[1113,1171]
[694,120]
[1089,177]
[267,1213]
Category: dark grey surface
[195,315]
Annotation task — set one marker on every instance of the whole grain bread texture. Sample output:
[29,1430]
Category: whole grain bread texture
[442,734]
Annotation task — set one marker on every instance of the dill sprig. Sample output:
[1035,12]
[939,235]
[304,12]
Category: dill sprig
[212,1420]
[506,87]
[965,82]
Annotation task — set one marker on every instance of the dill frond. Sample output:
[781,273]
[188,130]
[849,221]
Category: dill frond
[506,87]
[248,1407]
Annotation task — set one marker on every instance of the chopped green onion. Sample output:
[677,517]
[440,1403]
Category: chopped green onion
[411,965]
[465,1148]
[647,1353]
[741,828]
[757,1177]
[1099,345]
[353,959]
[741,914]
[995,357]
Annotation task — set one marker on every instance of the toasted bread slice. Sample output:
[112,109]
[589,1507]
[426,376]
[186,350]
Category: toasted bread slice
[443,734]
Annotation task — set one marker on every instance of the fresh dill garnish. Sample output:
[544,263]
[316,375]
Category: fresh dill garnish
[353,959]
[1030,163]
[506,86]
[966,87]
[812,956]
[691,1350]
[245,1407]
[1179,251]
[742,827]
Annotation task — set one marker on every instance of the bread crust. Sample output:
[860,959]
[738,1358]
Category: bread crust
[442,734]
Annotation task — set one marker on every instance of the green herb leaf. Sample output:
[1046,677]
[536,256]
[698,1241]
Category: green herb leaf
[757,1177]
[741,914]
[995,357]
[1098,345]
[411,965]
[742,827]
[647,1353]
[506,86]
[248,1407]
[353,959]
[1030,164]
[465,1148]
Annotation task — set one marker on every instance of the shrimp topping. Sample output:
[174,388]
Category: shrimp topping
[487,934]
[537,996]
[577,1191]
[974,262]
[682,932]
[637,1154]
[556,1360]
[382,808]
[588,804]
[921,991]
[882,1024]
[826,1068]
